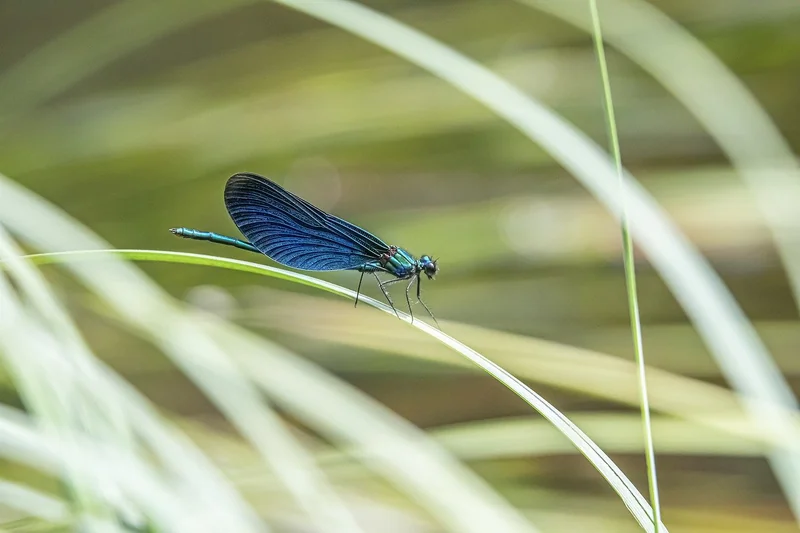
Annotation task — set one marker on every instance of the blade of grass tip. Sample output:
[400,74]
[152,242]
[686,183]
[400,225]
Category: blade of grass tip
[105,388]
[725,329]
[630,269]
[635,502]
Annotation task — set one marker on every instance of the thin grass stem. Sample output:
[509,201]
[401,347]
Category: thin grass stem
[630,267]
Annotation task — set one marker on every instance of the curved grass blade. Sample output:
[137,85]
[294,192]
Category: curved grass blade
[240,401]
[53,399]
[33,502]
[459,499]
[754,145]
[704,314]
[532,359]
[21,441]
[719,100]
[730,336]
[734,343]
[126,408]
[635,502]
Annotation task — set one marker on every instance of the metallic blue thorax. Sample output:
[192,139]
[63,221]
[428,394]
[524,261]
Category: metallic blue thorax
[396,261]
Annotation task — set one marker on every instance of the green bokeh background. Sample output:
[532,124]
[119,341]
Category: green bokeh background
[147,142]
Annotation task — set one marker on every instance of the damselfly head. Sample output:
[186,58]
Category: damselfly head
[428,266]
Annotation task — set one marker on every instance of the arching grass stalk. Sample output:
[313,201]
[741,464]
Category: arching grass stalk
[400,452]
[629,494]
[729,335]
[630,267]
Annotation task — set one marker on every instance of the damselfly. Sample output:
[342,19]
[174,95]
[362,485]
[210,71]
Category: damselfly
[292,232]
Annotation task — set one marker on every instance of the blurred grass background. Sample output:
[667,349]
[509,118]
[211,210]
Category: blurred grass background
[146,143]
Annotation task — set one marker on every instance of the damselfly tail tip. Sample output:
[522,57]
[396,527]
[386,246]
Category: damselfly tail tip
[181,232]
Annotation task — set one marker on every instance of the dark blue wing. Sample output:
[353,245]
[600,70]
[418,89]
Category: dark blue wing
[293,232]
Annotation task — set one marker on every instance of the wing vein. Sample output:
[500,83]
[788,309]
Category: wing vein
[294,232]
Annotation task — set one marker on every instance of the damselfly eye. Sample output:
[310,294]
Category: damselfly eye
[431,268]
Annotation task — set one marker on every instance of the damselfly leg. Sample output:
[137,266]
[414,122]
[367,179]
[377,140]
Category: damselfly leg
[358,290]
[419,299]
[408,299]
[384,284]
[386,294]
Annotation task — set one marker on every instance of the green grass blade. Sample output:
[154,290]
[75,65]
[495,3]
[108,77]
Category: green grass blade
[108,407]
[630,269]
[459,499]
[55,402]
[33,502]
[534,360]
[725,328]
[21,441]
[635,502]
[714,94]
